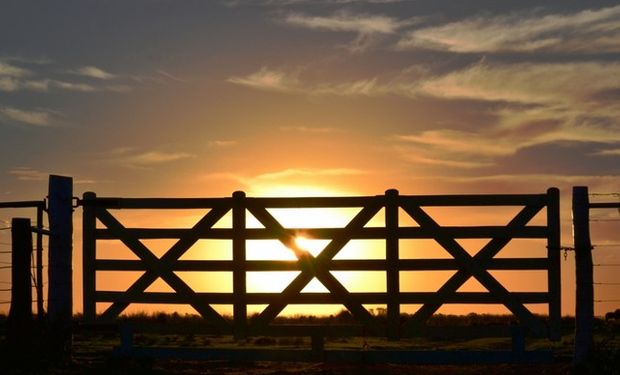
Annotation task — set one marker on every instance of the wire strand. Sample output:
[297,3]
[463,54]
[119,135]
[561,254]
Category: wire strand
[5,228]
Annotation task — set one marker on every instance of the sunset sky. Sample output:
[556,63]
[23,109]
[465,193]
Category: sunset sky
[306,97]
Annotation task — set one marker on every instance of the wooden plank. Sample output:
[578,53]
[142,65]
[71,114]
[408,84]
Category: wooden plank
[60,264]
[584,296]
[321,298]
[160,203]
[473,200]
[329,233]
[240,310]
[333,265]
[22,204]
[89,251]
[604,204]
[20,324]
[392,263]
[554,280]
[314,202]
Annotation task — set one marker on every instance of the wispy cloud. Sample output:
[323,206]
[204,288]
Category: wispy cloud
[8,70]
[16,78]
[309,129]
[608,152]
[593,31]
[280,81]
[29,174]
[94,72]
[286,176]
[26,117]
[135,158]
[366,26]
[269,80]
[221,143]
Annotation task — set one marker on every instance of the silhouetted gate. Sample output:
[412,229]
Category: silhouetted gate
[394,207]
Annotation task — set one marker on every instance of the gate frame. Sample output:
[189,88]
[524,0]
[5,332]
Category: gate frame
[466,266]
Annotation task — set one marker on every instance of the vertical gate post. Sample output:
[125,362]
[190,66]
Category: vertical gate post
[554,280]
[584,298]
[240,310]
[60,292]
[89,223]
[20,313]
[39,276]
[392,264]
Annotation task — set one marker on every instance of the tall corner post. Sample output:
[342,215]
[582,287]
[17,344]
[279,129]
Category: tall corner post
[60,274]
[554,279]
[89,256]
[392,263]
[19,330]
[584,295]
[240,310]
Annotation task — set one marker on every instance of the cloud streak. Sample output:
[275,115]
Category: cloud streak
[34,118]
[592,31]
[367,26]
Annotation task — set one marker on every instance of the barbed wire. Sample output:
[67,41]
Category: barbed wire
[5,228]
[604,220]
[604,194]
[606,300]
[606,265]
[5,267]
[601,283]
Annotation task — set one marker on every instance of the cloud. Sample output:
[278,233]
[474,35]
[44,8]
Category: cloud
[358,23]
[309,129]
[94,72]
[608,152]
[133,158]
[594,31]
[268,80]
[14,78]
[221,143]
[286,176]
[28,174]
[280,81]
[572,83]
[8,70]
[34,118]
[367,26]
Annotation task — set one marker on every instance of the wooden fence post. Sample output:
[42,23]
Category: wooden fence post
[20,314]
[89,246]
[60,287]
[240,310]
[584,298]
[392,263]
[39,276]
[554,279]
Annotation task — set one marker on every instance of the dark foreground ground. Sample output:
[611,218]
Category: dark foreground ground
[92,354]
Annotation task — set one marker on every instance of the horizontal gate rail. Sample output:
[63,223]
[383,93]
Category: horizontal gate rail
[394,206]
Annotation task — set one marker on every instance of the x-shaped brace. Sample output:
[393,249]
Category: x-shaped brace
[474,266]
[162,267]
[314,266]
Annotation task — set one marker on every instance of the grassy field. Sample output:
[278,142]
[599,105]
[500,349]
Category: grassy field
[92,350]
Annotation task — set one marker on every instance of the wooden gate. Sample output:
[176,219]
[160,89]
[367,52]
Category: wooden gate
[391,231]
